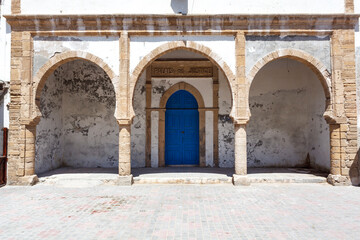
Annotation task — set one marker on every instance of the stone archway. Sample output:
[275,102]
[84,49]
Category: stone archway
[315,65]
[333,111]
[183,45]
[31,118]
[48,68]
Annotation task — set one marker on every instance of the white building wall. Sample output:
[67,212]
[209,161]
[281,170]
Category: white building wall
[184,6]
[223,46]
[106,48]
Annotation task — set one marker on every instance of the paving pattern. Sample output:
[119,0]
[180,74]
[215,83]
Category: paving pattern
[261,211]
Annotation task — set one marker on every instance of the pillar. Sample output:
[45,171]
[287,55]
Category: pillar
[240,177]
[29,160]
[125,177]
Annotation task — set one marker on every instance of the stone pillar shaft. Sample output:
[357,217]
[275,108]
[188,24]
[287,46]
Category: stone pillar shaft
[240,149]
[125,150]
[30,138]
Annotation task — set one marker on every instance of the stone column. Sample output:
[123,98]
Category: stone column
[240,177]
[30,138]
[26,167]
[125,177]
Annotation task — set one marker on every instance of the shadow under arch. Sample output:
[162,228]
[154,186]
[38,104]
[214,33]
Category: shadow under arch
[181,45]
[51,65]
[314,64]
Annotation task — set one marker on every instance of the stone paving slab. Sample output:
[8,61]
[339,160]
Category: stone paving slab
[266,211]
[87,177]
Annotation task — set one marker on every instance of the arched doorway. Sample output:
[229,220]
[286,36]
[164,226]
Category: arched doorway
[287,127]
[77,127]
[182,129]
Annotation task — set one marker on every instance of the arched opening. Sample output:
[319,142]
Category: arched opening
[77,127]
[287,128]
[181,130]
[150,97]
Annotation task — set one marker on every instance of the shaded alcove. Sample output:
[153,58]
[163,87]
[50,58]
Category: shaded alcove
[287,128]
[77,127]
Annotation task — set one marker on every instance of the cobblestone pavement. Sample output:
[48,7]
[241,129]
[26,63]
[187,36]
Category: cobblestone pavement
[266,211]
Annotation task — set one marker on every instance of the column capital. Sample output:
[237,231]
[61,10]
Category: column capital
[124,122]
[241,121]
[30,121]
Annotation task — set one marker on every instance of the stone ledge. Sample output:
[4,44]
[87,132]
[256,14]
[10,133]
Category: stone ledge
[25,181]
[338,180]
[240,180]
[124,180]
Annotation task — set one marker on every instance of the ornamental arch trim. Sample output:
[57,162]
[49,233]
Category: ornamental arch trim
[181,45]
[51,65]
[314,64]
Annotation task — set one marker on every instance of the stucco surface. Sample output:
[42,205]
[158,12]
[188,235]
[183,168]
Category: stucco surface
[287,128]
[225,124]
[176,6]
[77,127]
[106,48]
[223,46]
[138,126]
[258,47]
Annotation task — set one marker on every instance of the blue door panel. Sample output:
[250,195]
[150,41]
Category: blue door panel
[182,130]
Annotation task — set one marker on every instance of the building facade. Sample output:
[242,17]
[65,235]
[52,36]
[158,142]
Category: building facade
[232,84]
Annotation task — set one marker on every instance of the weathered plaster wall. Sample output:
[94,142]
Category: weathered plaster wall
[138,127]
[77,127]
[287,102]
[225,124]
[175,6]
[49,133]
[223,46]
[106,48]
[209,138]
[259,47]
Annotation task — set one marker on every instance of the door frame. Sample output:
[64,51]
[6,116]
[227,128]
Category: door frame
[201,108]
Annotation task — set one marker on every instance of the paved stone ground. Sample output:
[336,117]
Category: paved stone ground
[261,211]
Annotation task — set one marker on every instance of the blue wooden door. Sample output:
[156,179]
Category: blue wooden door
[182,129]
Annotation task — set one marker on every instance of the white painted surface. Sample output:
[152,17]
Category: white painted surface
[106,48]
[225,125]
[209,138]
[287,103]
[138,126]
[357,6]
[223,46]
[154,139]
[259,47]
[5,44]
[175,6]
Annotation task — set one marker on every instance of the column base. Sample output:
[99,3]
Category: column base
[24,181]
[124,180]
[241,180]
[338,180]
